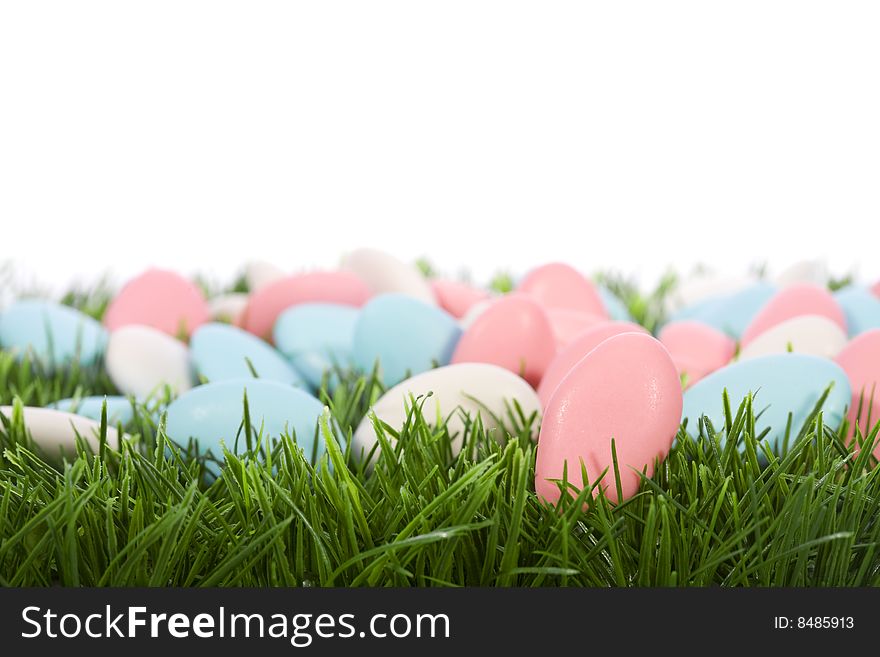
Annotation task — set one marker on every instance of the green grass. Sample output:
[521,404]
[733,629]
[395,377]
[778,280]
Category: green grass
[717,512]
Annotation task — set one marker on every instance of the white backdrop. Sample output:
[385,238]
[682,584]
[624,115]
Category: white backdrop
[483,135]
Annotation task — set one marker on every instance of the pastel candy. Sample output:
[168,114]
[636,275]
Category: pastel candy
[457,391]
[574,351]
[697,349]
[53,333]
[404,335]
[383,273]
[119,408]
[804,271]
[794,301]
[861,308]
[55,431]
[808,334]
[214,412]
[161,299]
[568,324]
[142,359]
[457,298]
[730,313]
[626,389]
[514,333]
[782,383]
[316,337]
[267,303]
[259,273]
[557,285]
[614,307]
[220,352]
[860,359]
[228,307]
[875,289]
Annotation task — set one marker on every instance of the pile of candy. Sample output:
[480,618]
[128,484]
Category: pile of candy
[561,347]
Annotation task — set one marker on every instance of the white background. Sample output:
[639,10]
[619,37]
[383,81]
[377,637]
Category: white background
[484,135]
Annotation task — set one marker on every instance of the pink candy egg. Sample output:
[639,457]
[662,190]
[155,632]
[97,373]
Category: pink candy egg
[161,299]
[794,301]
[457,298]
[568,324]
[270,301]
[557,285]
[876,289]
[627,389]
[514,333]
[697,349]
[860,359]
[575,350]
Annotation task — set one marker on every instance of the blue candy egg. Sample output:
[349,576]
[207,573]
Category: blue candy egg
[781,384]
[861,308]
[118,408]
[405,335]
[616,310]
[220,352]
[214,412]
[730,313]
[316,337]
[53,333]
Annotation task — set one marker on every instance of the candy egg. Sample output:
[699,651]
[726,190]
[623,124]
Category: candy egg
[259,273]
[626,389]
[514,333]
[468,389]
[697,349]
[815,335]
[568,324]
[228,307]
[316,337]
[861,308]
[53,333]
[55,431]
[383,273]
[268,303]
[404,335]
[141,359]
[781,383]
[730,313]
[557,285]
[220,352]
[119,408]
[804,271]
[457,298]
[161,299]
[793,301]
[860,359]
[574,351]
[214,412]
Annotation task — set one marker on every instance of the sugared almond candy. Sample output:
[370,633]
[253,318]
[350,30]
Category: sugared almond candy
[514,333]
[794,301]
[161,299]
[457,298]
[572,353]
[696,348]
[267,303]
[626,390]
[557,285]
